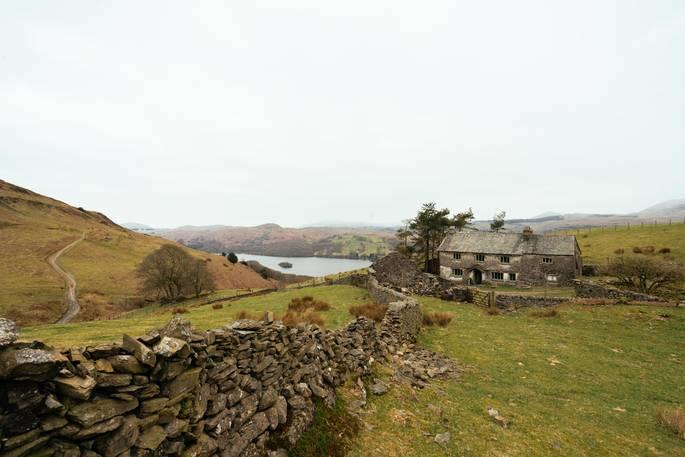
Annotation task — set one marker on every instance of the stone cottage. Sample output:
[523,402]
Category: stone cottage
[475,257]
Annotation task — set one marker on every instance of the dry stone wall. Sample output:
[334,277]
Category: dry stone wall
[231,391]
[589,289]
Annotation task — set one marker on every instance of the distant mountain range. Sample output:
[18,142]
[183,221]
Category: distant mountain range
[272,239]
[359,239]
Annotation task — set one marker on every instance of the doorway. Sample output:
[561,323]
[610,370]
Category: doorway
[477,277]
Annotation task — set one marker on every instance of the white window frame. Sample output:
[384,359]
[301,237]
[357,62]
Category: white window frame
[552,278]
[499,273]
[458,272]
[479,257]
[514,276]
[547,260]
[502,257]
[456,255]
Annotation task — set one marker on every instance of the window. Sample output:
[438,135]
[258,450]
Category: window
[457,272]
[552,278]
[496,275]
[456,255]
[480,257]
[504,258]
[546,260]
[512,276]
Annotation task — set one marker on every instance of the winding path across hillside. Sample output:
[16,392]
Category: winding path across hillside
[70,298]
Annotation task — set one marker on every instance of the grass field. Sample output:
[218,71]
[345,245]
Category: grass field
[599,244]
[203,317]
[586,382]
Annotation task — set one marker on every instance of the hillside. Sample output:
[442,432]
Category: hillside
[671,211]
[272,239]
[33,226]
[597,245]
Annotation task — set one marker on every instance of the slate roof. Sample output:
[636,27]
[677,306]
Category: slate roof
[508,243]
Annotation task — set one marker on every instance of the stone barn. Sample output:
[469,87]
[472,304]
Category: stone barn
[475,257]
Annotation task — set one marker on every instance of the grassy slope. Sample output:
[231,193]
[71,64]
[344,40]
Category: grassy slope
[33,226]
[618,356]
[367,244]
[203,317]
[596,245]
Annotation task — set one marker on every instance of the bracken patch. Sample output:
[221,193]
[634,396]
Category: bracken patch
[373,311]
[673,419]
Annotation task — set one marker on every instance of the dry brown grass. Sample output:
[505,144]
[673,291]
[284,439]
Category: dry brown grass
[493,311]
[546,312]
[245,315]
[217,306]
[302,304]
[441,319]
[308,316]
[373,311]
[673,419]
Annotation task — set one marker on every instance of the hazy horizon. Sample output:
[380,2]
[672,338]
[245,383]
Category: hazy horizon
[169,114]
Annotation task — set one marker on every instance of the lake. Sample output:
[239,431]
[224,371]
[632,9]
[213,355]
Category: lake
[308,266]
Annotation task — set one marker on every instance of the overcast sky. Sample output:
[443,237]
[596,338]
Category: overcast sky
[295,112]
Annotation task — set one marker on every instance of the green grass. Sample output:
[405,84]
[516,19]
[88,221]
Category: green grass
[558,380]
[598,244]
[609,357]
[203,317]
[344,245]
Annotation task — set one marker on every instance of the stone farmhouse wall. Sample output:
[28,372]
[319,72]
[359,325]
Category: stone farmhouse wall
[248,389]
[530,269]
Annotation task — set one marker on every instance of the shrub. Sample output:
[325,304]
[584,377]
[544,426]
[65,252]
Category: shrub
[217,306]
[665,251]
[648,249]
[673,419]
[309,316]
[549,312]
[307,302]
[619,251]
[441,319]
[179,310]
[373,311]
[637,250]
[492,311]
[245,315]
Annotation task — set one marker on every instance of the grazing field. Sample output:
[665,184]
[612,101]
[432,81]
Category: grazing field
[599,244]
[203,317]
[586,380]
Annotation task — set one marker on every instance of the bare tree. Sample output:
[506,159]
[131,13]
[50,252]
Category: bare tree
[646,274]
[199,278]
[170,272]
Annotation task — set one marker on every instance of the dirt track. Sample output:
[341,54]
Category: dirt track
[70,296]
